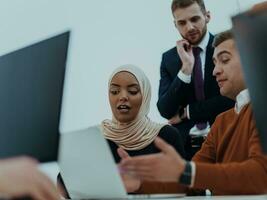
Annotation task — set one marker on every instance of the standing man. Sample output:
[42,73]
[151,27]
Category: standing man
[230,160]
[189,96]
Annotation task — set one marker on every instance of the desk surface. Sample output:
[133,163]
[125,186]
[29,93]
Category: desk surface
[245,197]
[236,197]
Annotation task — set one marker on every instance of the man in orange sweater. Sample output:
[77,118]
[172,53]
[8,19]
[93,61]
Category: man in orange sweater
[230,161]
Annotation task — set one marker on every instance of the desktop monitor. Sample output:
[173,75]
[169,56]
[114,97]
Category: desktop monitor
[250,32]
[31,87]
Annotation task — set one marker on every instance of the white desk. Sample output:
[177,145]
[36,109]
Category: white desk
[245,197]
[236,197]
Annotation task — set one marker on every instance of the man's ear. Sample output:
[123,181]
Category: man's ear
[207,16]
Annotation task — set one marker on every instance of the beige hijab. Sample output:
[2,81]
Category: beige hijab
[142,131]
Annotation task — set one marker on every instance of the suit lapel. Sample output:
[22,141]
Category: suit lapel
[209,65]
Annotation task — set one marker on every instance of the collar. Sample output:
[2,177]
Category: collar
[241,100]
[204,42]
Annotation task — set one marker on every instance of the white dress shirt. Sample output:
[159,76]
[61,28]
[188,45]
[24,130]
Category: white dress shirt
[242,99]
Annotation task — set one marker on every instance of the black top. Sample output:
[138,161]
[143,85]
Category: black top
[167,133]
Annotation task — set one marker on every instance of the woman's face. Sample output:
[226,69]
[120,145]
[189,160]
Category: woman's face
[125,97]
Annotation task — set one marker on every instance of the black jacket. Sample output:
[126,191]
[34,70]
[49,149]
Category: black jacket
[175,94]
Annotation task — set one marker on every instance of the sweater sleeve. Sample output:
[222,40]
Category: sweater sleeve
[247,177]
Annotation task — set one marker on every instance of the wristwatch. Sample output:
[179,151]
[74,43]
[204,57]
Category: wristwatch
[186,176]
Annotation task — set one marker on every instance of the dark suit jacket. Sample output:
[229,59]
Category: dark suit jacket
[174,93]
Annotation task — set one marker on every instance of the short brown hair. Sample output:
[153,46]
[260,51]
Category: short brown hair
[221,37]
[185,3]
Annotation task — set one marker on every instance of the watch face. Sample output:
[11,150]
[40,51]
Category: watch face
[185,178]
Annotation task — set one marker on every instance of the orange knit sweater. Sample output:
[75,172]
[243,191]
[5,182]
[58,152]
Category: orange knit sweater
[230,160]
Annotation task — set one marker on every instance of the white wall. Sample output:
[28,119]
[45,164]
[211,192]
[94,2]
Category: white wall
[105,34]
[113,33]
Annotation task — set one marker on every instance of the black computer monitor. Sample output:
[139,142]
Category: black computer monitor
[251,36]
[31,87]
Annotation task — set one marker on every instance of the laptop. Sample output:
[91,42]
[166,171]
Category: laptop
[250,33]
[31,87]
[88,168]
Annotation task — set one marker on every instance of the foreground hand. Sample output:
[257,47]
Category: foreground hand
[20,177]
[166,166]
[131,183]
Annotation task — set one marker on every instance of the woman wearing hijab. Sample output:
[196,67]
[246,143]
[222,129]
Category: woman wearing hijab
[130,127]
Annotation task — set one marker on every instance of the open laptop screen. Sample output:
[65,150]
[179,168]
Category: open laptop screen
[31,87]
[250,33]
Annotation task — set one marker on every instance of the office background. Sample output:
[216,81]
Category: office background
[105,34]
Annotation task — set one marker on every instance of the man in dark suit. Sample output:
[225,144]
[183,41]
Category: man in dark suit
[189,96]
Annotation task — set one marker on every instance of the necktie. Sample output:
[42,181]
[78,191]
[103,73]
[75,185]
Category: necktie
[198,81]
